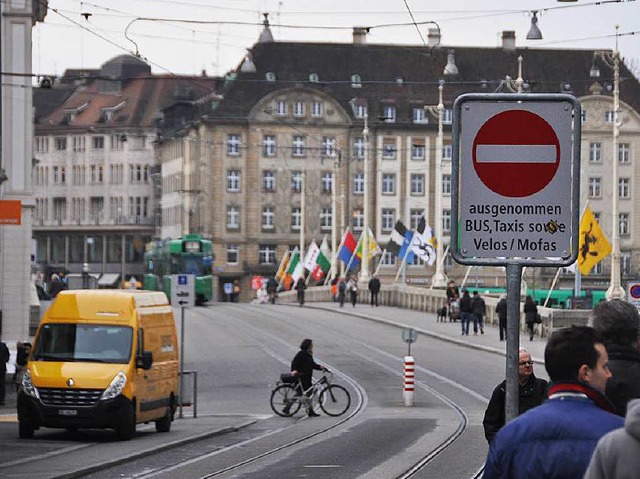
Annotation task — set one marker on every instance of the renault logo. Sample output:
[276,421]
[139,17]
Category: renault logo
[70,382]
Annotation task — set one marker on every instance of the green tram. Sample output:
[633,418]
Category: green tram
[559,298]
[188,255]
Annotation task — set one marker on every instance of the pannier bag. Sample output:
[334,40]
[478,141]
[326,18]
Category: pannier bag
[287,378]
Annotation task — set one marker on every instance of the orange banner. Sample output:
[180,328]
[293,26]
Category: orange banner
[10,212]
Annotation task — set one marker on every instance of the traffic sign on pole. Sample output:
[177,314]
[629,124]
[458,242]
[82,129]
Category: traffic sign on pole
[515,181]
[183,290]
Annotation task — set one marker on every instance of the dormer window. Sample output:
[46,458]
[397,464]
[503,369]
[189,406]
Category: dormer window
[389,113]
[356,81]
[270,76]
[314,78]
[108,114]
[281,108]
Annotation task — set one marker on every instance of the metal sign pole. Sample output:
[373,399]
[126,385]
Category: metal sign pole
[181,359]
[514,279]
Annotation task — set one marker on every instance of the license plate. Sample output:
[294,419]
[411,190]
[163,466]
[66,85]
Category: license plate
[68,412]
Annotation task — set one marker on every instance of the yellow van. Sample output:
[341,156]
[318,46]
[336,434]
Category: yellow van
[102,359]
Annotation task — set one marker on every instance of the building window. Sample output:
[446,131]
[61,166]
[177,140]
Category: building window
[42,144]
[97,174]
[414,217]
[388,149]
[298,145]
[328,146]
[233,180]
[608,116]
[97,142]
[233,254]
[267,254]
[419,115]
[296,218]
[317,109]
[417,151]
[623,224]
[268,180]
[269,145]
[298,108]
[597,269]
[59,175]
[388,184]
[61,143]
[361,110]
[388,219]
[233,145]
[358,183]
[327,182]
[281,108]
[233,217]
[296,181]
[358,148]
[358,219]
[446,221]
[116,142]
[594,152]
[595,190]
[625,264]
[446,185]
[388,259]
[326,217]
[78,143]
[389,112]
[624,188]
[447,152]
[447,116]
[268,218]
[624,153]
[417,184]
[583,116]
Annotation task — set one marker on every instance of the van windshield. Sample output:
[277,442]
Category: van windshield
[84,342]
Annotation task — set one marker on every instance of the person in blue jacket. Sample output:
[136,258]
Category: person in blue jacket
[557,438]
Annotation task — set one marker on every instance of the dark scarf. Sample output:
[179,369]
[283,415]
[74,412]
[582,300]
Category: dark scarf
[577,387]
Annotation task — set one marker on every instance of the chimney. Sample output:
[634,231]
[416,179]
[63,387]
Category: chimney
[360,35]
[509,40]
[433,38]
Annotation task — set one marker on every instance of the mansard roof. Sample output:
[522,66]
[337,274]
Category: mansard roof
[406,75]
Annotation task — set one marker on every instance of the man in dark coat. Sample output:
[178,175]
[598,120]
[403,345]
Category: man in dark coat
[465,311]
[478,309]
[618,322]
[501,309]
[300,287]
[272,289]
[532,392]
[302,367]
[4,359]
[374,288]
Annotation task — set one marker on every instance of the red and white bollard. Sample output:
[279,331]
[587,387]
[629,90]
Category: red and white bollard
[409,380]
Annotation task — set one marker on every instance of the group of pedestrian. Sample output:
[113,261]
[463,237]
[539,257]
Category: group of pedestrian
[472,309]
[576,429]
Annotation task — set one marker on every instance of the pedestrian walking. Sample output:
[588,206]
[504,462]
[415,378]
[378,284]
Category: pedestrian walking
[22,356]
[4,359]
[453,294]
[300,287]
[617,455]
[374,289]
[272,289]
[557,438]
[530,313]
[55,285]
[342,291]
[479,309]
[618,322]
[353,290]
[501,310]
[532,391]
[465,311]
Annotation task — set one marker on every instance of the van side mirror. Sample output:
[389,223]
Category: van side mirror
[145,360]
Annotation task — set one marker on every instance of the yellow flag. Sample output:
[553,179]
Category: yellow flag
[283,266]
[593,246]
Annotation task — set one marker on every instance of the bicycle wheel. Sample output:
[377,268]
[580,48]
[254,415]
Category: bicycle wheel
[283,400]
[335,400]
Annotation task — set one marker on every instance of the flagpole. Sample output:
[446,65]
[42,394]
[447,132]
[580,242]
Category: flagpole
[334,263]
[553,285]
[380,262]
[302,214]
[577,277]
[404,261]
[441,261]
[466,275]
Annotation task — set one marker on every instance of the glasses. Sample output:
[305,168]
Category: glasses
[526,363]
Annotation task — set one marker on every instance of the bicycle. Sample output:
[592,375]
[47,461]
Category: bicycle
[288,397]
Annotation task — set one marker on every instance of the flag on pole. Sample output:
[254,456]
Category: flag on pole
[374,247]
[423,242]
[347,251]
[400,242]
[316,262]
[283,266]
[593,246]
[295,266]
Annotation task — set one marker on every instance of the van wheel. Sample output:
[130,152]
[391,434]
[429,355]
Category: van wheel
[164,423]
[25,430]
[127,428]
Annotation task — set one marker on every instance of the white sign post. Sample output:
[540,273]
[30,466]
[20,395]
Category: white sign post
[183,294]
[515,192]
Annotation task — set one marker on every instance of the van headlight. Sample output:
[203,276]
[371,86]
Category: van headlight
[116,387]
[27,386]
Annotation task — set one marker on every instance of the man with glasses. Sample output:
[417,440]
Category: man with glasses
[532,391]
[557,438]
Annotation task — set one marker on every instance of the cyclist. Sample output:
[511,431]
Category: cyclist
[302,367]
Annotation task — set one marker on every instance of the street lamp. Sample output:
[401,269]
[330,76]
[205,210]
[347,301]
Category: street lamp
[615,290]
[364,270]
[439,279]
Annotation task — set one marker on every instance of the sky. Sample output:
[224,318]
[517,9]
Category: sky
[215,34]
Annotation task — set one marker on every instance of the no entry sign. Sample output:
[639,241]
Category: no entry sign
[516,153]
[516,179]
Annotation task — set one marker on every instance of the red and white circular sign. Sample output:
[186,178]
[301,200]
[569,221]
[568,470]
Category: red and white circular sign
[516,153]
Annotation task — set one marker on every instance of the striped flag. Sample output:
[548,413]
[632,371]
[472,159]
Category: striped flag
[400,242]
